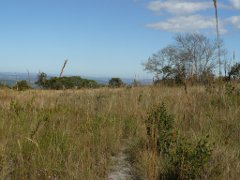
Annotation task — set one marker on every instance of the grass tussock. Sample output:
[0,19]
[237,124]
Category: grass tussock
[72,134]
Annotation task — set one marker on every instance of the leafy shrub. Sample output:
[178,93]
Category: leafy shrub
[41,79]
[185,159]
[159,126]
[70,82]
[115,82]
[22,85]
[65,82]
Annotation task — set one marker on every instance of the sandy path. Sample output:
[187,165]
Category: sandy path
[121,170]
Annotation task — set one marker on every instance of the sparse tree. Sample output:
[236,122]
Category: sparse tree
[198,52]
[195,52]
[41,79]
[160,64]
[192,55]
[115,82]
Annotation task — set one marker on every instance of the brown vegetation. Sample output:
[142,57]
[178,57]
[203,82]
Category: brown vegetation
[72,134]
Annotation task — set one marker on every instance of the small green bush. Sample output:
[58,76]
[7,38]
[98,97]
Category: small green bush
[159,126]
[187,159]
[22,86]
[184,159]
[115,82]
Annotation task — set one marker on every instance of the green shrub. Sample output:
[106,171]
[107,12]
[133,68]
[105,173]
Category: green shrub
[187,159]
[65,82]
[159,126]
[22,86]
[115,82]
[41,79]
[184,159]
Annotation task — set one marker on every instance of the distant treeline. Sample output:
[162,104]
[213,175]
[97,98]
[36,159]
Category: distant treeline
[65,82]
[71,82]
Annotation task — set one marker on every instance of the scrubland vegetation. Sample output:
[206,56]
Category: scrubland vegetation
[168,134]
[184,126]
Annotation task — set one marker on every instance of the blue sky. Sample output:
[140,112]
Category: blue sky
[103,38]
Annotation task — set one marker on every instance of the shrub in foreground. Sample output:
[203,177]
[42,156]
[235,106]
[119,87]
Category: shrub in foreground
[184,158]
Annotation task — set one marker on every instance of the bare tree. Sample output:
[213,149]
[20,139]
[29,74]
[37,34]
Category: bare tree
[198,52]
[192,55]
[159,62]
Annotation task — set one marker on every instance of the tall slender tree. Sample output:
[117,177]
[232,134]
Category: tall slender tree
[218,36]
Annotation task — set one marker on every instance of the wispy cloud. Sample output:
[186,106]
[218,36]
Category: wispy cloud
[178,6]
[189,23]
[234,20]
[189,15]
[235,3]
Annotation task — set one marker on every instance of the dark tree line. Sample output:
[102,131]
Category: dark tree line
[73,82]
[65,82]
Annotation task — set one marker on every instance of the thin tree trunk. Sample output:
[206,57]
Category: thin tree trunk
[64,65]
[218,40]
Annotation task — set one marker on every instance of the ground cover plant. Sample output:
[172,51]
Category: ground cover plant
[72,134]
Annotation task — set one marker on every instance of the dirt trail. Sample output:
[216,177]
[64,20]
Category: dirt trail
[121,170]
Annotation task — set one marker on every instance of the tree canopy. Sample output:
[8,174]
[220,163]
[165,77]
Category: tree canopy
[191,55]
[115,82]
[65,82]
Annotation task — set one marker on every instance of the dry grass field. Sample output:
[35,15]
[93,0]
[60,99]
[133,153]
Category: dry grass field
[73,134]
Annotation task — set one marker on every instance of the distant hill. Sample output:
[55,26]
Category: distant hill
[10,79]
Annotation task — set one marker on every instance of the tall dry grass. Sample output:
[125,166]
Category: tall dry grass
[72,134]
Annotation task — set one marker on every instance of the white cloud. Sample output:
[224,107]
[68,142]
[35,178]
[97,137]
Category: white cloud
[235,3]
[183,6]
[234,20]
[178,6]
[190,23]
[181,15]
